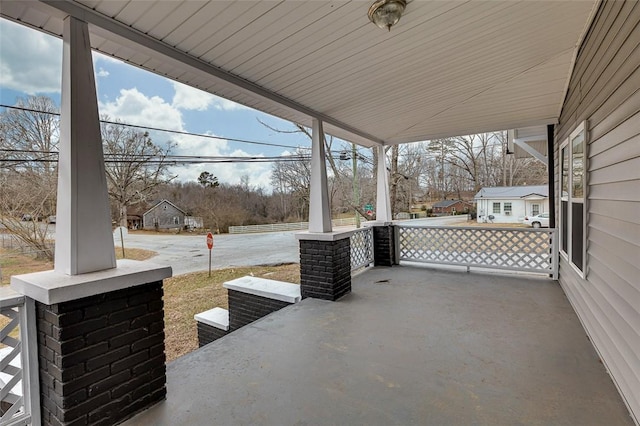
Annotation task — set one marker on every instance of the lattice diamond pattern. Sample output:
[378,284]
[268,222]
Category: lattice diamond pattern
[361,248]
[11,391]
[518,249]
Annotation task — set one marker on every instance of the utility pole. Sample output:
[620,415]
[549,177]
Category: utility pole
[505,148]
[409,180]
[356,190]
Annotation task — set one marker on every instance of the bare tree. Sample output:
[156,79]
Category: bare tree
[135,166]
[341,177]
[394,178]
[28,143]
[30,131]
[293,178]
[24,201]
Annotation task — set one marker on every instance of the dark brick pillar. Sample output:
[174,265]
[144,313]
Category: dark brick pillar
[208,333]
[245,308]
[102,357]
[325,268]
[384,245]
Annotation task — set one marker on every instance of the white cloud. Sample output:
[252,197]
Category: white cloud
[102,72]
[30,61]
[190,98]
[227,105]
[197,145]
[134,107]
[228,173]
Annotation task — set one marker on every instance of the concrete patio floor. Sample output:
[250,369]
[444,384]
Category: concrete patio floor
[409,345]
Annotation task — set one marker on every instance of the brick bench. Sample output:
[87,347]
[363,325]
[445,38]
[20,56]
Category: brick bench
[212,325]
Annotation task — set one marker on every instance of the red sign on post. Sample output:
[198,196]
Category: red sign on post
[209,246]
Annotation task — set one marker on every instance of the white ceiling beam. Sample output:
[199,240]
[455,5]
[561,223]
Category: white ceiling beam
[531,151]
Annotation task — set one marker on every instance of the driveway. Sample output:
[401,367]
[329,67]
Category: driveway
[189,253]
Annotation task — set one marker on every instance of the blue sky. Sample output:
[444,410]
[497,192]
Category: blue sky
[31,64]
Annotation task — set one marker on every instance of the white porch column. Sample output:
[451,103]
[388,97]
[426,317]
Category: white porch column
[319,211]
[84,242]
[383,200]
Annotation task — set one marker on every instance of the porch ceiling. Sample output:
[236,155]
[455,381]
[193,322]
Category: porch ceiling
[447,68]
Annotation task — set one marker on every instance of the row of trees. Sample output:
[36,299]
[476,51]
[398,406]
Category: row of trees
[419,173]
[138,173]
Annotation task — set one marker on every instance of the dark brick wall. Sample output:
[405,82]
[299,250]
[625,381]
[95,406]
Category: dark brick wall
[208,333]
[102,357]
[325,268]
[246,308]
[384,246]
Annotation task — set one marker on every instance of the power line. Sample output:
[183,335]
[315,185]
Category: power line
[333,151]
[178,132]
[170,161]
[182,132]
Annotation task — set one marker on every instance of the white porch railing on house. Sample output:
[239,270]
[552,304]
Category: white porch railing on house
[19,385]
[515,249]
[361,248]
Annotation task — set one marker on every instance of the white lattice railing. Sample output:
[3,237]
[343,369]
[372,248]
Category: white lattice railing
[19,394]
[516,249]
[361,248]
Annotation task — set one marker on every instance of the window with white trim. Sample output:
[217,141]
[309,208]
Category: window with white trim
[564,197]
[572,197]
[496,208]
[507,209]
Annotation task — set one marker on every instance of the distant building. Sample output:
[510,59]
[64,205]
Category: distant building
[446,207]
[164,215]
[134,221]
[509,204]
[134,217]
[192,222]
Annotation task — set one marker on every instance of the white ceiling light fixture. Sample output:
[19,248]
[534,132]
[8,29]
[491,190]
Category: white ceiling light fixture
[386,13]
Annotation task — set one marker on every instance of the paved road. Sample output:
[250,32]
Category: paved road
[188,253]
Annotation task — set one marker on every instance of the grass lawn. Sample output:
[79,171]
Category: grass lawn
[14,263]
[184,295]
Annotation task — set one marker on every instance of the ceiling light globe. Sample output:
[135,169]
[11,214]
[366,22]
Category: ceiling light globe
[386,13]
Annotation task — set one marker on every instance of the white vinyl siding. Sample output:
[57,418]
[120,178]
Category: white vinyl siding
[603,91]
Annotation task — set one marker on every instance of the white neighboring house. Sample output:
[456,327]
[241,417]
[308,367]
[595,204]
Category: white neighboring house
[510,204]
